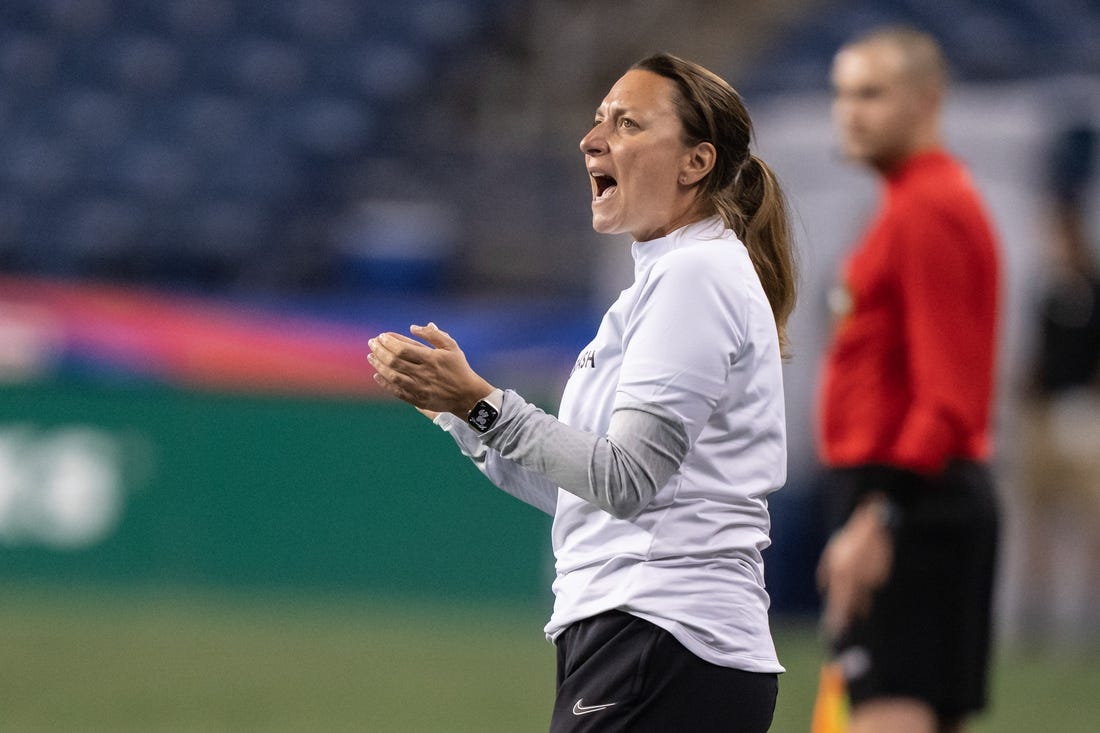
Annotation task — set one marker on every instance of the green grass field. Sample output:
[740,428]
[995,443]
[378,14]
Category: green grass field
[87,662]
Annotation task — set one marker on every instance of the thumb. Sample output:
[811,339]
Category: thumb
[435,336]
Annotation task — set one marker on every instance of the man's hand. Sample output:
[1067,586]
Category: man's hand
[433,378]
[855,563]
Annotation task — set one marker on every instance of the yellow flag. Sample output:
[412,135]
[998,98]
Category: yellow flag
[831,705]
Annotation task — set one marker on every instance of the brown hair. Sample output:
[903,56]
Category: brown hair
[741,188]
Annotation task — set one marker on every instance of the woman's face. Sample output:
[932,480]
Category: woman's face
[637,161]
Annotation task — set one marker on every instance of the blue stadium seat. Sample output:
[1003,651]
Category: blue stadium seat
[331,126]
[200,18]
[94,118]
[146,63]
[445,23]
[323,21]
[387,70]
[213,123]
[80,17]
[28,60]
[263,170]
[226,229]
[14,217]
[156,170]
[101,229]
[266,67]
[40,166]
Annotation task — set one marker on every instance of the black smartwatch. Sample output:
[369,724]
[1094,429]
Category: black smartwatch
[486,411]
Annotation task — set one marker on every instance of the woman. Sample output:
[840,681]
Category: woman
[671,431]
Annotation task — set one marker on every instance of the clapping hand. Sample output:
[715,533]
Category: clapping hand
[433,377]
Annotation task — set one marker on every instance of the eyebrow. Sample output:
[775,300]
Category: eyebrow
[614,109]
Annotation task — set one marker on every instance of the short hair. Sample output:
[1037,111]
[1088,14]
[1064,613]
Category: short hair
[922,54]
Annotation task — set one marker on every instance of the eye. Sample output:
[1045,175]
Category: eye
[627,122]
[867,94]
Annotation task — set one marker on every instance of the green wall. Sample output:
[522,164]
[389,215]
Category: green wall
[149,484]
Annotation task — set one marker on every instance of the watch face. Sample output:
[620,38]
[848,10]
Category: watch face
[483,416]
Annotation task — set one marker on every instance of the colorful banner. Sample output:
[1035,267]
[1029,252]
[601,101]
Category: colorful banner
[50,327]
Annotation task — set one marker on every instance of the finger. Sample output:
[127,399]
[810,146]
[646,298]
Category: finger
[841,599]
[396,371]
[397,389]
[834,618]
[435,336]
[382,369]
[404,339]
[392,348]
[379,355]
[386,385]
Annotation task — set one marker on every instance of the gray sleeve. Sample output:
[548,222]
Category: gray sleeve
[528,487]
[619,473]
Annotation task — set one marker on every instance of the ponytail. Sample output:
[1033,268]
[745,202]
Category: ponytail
[741,187]
[756,210]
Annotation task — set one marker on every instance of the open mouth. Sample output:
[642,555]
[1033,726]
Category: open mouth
[605,185]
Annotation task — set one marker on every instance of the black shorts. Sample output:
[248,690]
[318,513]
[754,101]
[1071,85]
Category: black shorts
[619,673]
[928,634]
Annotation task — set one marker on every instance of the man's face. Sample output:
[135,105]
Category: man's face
[877,108]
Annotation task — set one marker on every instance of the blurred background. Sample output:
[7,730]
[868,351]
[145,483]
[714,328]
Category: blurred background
[209,518]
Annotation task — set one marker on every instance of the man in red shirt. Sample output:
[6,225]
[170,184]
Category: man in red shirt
[905,407]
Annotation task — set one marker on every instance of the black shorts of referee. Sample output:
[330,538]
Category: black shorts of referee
[618,673]
[928,634]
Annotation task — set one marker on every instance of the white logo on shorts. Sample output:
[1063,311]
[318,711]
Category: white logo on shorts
[579,708]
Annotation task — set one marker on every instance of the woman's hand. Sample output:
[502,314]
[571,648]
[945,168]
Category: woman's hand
[433,378]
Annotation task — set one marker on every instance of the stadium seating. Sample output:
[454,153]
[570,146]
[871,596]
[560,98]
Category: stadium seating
[199,143]
[228,144]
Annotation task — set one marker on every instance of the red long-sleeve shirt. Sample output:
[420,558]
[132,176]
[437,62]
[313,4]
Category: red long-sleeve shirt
[908,379]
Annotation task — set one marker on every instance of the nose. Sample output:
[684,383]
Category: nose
[594,143]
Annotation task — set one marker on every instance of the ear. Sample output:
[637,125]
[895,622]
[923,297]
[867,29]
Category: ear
[698,161]
[924,108]
[933,99]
